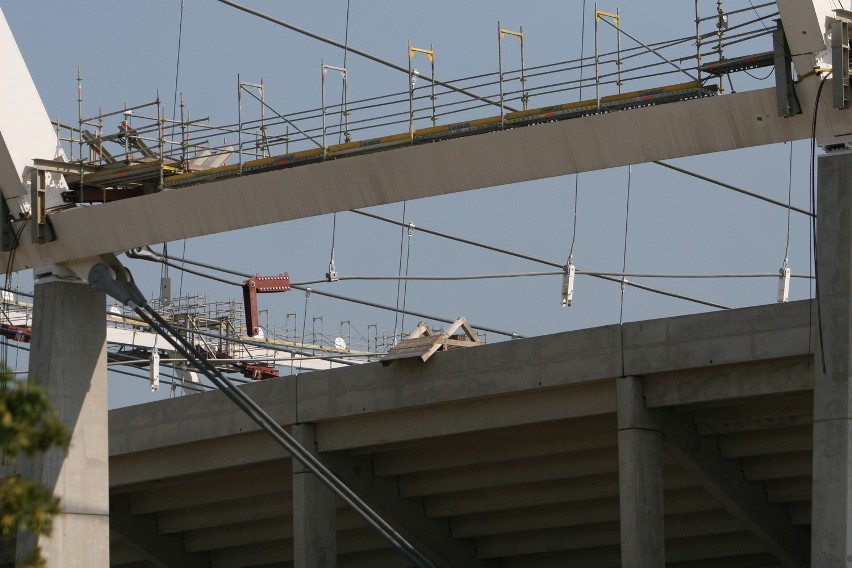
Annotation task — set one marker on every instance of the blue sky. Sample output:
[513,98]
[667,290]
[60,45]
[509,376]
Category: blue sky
[127,51]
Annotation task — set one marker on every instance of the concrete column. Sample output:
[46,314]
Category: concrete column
[831,532]
[68,359]
[314,511]
[640,479]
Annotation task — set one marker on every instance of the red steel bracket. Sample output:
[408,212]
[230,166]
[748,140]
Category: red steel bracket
[258,284]
[258,372]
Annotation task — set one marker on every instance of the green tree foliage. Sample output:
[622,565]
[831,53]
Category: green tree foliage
[28,425]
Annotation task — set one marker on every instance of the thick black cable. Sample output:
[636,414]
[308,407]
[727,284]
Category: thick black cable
[768,75]
[813,222]
[279,434]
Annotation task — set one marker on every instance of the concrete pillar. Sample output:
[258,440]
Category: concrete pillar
[831,532]
[314,511]
[640,479]
[68,359]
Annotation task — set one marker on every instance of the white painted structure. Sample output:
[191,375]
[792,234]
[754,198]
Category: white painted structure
[26,132]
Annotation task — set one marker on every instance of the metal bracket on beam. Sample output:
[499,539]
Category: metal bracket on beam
[117,282]
[7,230]
[42,228]
[260,284]
[788,102]
[840,63]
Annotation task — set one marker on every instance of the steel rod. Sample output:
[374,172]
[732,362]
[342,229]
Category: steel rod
[353,50]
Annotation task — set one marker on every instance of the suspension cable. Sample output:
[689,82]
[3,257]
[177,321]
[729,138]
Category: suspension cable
[735,188]
[405,287]
[399,270]
[789,204]
[356,51]
[624,249]
[154,257]
[577,175]
[540,260]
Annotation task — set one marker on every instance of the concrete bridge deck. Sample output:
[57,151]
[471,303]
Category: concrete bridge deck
[505,454]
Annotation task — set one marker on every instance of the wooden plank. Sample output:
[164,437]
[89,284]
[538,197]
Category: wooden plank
[421,329]
[461,343]
[470,332]
[417,342]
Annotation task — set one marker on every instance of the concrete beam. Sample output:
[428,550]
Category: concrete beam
[359,547]
[196,418]
[431,537]
[766,442]
[530,407]
[603,141]
[234,511]
[256,481]
[578,464]
[174,462]
[730,382]
[559,360]
[314,517]
[603,557]
[756,415]
[566,490]
[717,339]
[640,479]
[140,533]
[504,446]
[791,464]
[260,531]
[563,539]
[571,514]
[724,481]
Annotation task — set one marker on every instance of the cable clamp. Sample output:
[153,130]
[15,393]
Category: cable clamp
[332,275]
[784,283]
[569,272]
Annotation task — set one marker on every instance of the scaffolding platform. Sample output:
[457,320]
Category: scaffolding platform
[725,66]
